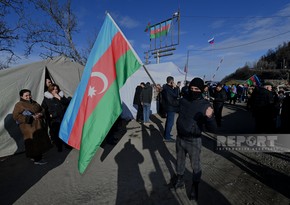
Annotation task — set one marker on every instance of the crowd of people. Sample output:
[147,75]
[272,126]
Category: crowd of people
[192,103]
[40,123]
[200,106]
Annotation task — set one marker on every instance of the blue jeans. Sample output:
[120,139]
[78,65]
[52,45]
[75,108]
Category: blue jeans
[146,111]
[169,124]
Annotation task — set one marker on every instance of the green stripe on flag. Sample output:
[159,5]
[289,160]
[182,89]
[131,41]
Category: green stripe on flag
[126,66]
[106,112]
[162,33]
[98,125]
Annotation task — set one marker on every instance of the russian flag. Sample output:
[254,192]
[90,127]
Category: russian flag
[211,41]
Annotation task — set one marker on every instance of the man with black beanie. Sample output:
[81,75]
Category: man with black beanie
[194,112]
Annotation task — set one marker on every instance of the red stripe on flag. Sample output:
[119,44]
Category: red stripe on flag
[158,30]
[107,66]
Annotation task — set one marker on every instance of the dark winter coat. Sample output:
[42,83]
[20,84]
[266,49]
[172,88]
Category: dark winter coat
[192,117]
[285,115]
[136,100]
[219,96]
[170,98]
[34,130]
[146,94]
[263,102]
[54,107]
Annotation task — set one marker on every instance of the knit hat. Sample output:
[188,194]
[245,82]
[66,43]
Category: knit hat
[197,82]
[268,83]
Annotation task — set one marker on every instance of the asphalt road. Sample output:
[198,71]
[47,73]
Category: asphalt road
[137,170]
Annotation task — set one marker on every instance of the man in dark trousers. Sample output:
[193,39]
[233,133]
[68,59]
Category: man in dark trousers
[194,113]
[219,97]
[170,97]
[137,102]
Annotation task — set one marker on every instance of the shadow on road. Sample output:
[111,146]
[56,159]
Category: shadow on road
[240,122]
[18,174]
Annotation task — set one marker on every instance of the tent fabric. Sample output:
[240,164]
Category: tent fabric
[63,71]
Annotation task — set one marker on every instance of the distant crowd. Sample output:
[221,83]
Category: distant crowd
[268,105]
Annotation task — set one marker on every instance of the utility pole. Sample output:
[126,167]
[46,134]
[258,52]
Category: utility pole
[146,58]
[186,65]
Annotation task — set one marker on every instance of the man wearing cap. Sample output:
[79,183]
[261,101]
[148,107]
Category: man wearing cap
[263,108]
[194,112]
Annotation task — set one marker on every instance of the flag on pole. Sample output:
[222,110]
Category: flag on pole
[96,103]
[160,29]
[211,41]
[185,69]
[147,27]
[254,80]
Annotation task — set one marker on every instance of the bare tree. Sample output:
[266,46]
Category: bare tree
[56,35]
[9,34]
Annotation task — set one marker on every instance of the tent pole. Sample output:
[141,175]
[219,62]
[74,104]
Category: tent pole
[149,75]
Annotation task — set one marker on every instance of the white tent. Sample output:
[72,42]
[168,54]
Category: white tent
[63,71]
[159,73]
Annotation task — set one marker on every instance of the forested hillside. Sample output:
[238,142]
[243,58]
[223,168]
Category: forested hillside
[273,65]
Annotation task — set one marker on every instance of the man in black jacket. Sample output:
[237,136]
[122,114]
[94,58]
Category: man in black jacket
[219,97]
[170,97]
[263,108]
[146,99]
[137,102]
[194,112]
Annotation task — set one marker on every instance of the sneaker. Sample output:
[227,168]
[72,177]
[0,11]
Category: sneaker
[40,162]
[169,140]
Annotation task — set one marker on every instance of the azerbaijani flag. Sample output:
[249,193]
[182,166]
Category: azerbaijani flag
[147,27]
[160,29]
[96,103]
[254,80]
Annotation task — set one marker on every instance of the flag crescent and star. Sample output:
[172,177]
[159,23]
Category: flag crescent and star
[105,82]
[96,103]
